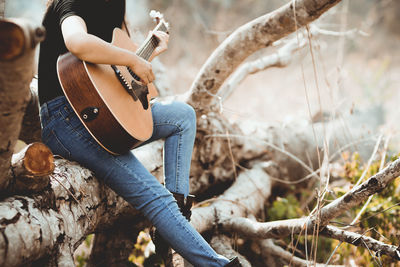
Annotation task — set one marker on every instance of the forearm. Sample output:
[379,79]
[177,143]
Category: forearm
[92,49]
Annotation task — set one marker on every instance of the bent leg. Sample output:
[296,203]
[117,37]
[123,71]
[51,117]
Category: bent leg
[66,136]
[176,122]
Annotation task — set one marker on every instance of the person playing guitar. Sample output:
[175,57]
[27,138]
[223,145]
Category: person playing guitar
[85,29]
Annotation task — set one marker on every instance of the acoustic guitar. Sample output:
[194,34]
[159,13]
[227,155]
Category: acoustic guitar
[110,100]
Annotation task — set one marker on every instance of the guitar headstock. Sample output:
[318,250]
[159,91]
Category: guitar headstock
[159,19]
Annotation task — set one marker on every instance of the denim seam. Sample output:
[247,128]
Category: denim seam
[47,118]
[79,135]
[177,151]
[70,126]
[60,143]
[178,159]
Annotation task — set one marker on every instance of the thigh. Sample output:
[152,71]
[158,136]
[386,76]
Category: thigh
[170,118]
[125,174]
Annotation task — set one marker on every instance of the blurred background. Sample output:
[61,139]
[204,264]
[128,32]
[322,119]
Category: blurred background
[355,70]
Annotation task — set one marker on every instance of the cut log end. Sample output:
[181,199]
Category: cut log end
[31,168]
[39,160]
[12,40]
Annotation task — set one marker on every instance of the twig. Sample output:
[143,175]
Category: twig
[269,247]
[268,144]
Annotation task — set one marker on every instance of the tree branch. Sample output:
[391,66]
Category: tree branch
[251,229]
[374,184]
[280,59]
[256,34]
[248,228]
[222,245]
[362,241]
[246,196]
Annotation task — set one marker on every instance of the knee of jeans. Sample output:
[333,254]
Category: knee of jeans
[160,205]
[189,123]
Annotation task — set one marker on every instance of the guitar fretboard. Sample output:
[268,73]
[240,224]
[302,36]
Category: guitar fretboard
[148,47]
[145,52]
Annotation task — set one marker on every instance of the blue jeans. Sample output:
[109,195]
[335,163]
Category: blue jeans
[66,136]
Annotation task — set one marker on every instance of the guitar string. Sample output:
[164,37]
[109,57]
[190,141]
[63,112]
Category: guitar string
[148,48]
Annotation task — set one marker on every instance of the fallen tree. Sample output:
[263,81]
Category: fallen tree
[235,167]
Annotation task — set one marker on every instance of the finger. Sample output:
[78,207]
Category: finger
[152,76]
[144,79]
[161,35]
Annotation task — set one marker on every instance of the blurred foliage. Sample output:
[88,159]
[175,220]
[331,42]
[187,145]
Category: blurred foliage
[143,253]
[381,217]
[285,208]
[83,255]
[380,220]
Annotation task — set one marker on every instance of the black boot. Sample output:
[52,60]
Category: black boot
[162,247]
[184,204]
[234,263]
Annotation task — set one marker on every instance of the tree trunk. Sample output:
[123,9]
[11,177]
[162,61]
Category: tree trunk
[31,130]
[52,224]
[18,39]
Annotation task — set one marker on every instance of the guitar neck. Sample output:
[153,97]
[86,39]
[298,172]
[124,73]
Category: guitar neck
[151,42]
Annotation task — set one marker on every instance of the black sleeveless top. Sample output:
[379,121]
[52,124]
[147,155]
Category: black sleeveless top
[100,16]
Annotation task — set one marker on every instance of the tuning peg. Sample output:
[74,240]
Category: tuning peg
[157,16]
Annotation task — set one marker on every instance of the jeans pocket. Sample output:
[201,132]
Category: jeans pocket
[51,139]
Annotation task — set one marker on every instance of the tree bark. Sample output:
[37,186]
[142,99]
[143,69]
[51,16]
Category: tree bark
[223,148]
[52,224]
[246,196]
[18,39]
[223,245]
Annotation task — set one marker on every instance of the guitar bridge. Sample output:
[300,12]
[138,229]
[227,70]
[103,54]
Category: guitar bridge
[123,82]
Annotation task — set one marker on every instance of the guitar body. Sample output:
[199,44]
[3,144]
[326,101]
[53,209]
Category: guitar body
[112,116]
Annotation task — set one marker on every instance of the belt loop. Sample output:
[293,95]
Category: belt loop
[44,110]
